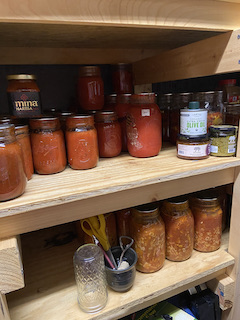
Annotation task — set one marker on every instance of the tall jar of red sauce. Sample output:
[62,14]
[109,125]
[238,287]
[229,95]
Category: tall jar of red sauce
[208,223]
[144,126]
[122,78]
[90,88]
[81,140]
[109,134]
[12,175]
[23,96]
[148,232]
[22,135]
[121,108]
[48,146]
[179,226]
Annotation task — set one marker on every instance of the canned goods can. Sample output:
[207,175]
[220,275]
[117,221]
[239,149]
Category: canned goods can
[193,122]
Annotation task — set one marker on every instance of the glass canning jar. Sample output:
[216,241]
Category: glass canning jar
[122,78]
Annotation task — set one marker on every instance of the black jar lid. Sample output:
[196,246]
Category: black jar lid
[222,130]
[186,138]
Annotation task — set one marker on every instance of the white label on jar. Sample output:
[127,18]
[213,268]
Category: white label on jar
[231,150]
[145,112]
[193,122]
[213,149]
[194,151]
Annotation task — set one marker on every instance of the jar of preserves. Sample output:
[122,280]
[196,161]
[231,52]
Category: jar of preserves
[122,107]
[193,148]
[90,88]
[109,134]
[122,78]
[207,221]
[12,175]
[124,222]
[48,146]
[81,140]
[22,135]
[148,232]
[144,126]
[23,96]
[110,102]
[179,228]
[223,140]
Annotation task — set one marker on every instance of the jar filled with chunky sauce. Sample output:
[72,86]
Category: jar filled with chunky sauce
[121,108]
[12,175]
[48,145]
[23,96]
[179,226]
[81,140]
[148,232]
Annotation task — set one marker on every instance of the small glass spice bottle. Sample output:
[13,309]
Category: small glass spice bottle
[22,136]
[148,232]
[208,222]
[81,140]
[109,134]
[12,175]
[122,78]
[48,146]
[179,226]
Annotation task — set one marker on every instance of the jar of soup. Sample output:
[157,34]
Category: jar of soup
[148,232]
[208,223]
[122,78]
[144,126]
[124,222]
[90,88]
[48,146]
[12,176]
[179,226]
[109,134]
[81,140]
[122,107]
[22,135]
[23,95]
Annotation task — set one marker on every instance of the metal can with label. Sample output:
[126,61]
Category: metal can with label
[223,140]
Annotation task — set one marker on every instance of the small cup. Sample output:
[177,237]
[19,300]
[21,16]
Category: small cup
[122,280]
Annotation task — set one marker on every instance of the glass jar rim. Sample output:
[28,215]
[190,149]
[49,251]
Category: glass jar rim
[105,115]
[89,71]
[21,77]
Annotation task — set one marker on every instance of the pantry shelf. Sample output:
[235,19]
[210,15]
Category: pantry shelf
[50,291]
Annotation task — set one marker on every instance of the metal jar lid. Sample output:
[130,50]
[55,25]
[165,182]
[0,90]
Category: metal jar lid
[21,77]
[222,130]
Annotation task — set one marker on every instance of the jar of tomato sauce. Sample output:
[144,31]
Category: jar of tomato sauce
[122,78]
[12,175]
[124,222]
[121,108]
[90,88]
[22,135]
[109,134]
[208,223]
[179,226]
[148,232]
[144,126]
[48,146]
[23,95]
[81,139]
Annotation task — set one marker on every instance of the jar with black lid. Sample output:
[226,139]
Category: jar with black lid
[193,147]
[223,140]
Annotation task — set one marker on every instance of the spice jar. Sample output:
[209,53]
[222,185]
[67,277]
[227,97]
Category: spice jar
[90,88]
[12,176]
[148,232]
[22,136]
[122,107]
[144,126]
[81,140]
[208,223]
[124,222]
[223,139]
[122,78]
[48,146]
[193,148]
[109,134]
[23,95]
[179,228]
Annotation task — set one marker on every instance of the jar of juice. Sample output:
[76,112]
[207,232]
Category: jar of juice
[90,88]
[81,140]
[122,78]
[48,146]
[121,108]
[144,126]
[109,134]
[124,222]
[148,232]
[12,175]
[22,135]
[179,226]
[208,223]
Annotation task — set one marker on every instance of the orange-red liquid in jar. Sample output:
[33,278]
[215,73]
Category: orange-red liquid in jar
[121,108]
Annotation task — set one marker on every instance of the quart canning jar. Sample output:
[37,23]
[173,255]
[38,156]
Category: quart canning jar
[121,108]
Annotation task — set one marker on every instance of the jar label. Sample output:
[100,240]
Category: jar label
[145,112]
[213,149]
[195,151]
[233,99]
[193,123]
[25,104]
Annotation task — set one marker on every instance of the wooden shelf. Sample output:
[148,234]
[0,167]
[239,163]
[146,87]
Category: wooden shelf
[115,183]
[50,291]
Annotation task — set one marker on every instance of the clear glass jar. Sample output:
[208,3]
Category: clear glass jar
[122,78]
[148,232]
[179,226]
[12,175]
[90,277]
